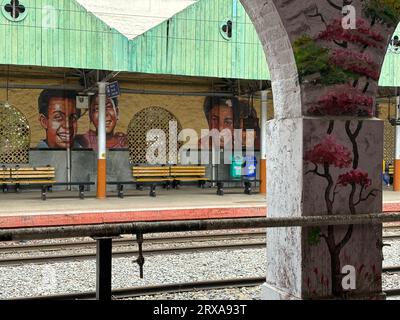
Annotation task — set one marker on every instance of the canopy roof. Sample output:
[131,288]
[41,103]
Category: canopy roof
[134,17]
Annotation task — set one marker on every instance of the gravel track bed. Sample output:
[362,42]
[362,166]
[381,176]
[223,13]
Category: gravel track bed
[80,276]
[71,277]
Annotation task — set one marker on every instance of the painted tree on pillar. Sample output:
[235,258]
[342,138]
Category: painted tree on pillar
[337,73]
[346,73]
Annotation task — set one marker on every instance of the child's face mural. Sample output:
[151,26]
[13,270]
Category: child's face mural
[221,118]
[61,123]
[111,114]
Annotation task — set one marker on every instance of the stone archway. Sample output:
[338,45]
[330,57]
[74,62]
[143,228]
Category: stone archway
[15,136]
[325,68]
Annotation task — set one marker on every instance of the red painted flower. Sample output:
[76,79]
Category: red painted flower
[343,100]
[330,153]
[362,35]
[359,63]
[354,177]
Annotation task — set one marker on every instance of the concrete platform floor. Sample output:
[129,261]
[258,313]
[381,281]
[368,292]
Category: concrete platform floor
[26,209]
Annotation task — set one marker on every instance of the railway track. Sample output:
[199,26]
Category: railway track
[130,241]
[259,242]
[173,288]
[129,253]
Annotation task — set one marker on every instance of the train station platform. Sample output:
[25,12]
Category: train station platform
[25,210]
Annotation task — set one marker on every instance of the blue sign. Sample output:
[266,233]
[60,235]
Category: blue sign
[113,90]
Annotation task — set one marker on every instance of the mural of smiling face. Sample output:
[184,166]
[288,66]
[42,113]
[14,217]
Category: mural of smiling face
[111,114]
[61,122]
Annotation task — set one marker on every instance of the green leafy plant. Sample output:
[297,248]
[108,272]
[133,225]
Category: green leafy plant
[314,236]
[384,11]
[313,62]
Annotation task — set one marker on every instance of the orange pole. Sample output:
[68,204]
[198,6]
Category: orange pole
[263,162]
[102,148]
[101,178]
[263,176]
[396,177]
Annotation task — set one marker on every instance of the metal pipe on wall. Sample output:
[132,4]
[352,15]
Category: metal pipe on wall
[129,91]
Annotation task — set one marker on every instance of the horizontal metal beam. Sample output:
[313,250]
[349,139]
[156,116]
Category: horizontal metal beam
[128,91]
[114,230]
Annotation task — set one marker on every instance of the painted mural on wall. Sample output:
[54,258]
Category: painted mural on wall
[343,164]
[59,117]
[339,69]
[57,123]
[231,114]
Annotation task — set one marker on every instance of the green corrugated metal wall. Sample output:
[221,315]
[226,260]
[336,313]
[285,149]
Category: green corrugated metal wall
[390,75]
[74,38]
[188,44]
[79,40]
[196,47]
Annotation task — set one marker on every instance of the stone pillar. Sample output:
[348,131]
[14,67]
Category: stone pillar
[325,149]
[324,166]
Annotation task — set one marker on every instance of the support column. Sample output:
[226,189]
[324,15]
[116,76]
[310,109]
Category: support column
[324,167]
[102,151]
[396,178]
[104,269]
[263,162]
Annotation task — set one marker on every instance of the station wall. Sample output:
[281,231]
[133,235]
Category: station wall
[187,109]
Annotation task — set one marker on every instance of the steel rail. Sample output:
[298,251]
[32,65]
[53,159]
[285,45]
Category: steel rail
[116,254]
[171,288]
[130,241]
[160,289]
[115,230]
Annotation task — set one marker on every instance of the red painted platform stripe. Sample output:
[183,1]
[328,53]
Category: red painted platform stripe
[52,220]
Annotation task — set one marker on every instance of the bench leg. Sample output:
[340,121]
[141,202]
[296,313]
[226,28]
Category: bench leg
[247,188]
[120,189]
[17,188]
[44,190]
[5,188]
[220,190]
[153,190]
[176,185]
[81,192]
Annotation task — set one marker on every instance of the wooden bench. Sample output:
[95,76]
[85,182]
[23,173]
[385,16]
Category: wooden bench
[248,185]
[42,177]
[149,176]
[188,174]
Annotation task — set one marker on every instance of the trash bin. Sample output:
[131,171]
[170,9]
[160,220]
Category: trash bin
[236,167]
[250,167]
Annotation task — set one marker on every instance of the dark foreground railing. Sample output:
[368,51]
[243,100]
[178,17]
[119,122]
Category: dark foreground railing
[104,234]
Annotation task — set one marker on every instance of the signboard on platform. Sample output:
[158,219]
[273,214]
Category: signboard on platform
[113,90]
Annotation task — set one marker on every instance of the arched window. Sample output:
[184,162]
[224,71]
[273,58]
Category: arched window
[15,136]
[143,121]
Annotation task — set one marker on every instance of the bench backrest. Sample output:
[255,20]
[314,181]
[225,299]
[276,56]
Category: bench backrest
[5,173]
[147,172]
[188,171]
[32,174]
